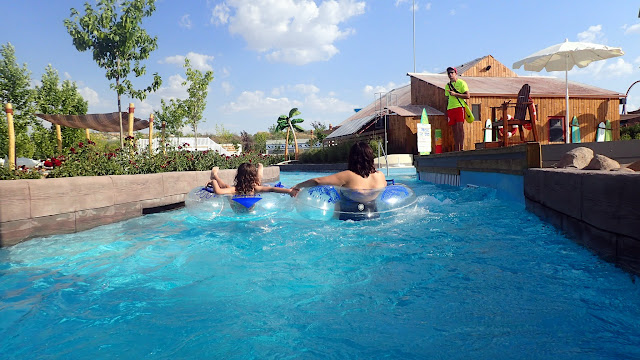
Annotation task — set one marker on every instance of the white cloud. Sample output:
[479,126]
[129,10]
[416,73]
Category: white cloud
[633,29]
[90,95]
[174,90]
[400,2]
[593,34]
[220,14]
[371,91]
[226,87]
[198,61]
[637,60]
[427,7]
[67,75]
[291,31]
[185,21]
[619,68]
[452,12]
[324,105]
[306,89]
[256,101]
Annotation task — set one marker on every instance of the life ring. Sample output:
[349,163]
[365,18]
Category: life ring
[512,132]
[203,204]
[324,202]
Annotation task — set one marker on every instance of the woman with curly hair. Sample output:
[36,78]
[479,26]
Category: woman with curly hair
[248,181]
[360,185]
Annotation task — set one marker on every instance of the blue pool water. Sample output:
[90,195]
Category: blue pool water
[463,276]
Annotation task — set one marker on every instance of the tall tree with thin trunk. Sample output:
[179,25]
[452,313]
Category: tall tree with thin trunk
[15,88]
[198,90]
[290,124]
[114,34]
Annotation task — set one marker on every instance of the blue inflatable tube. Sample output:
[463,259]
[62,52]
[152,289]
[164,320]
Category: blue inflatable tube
[325,202]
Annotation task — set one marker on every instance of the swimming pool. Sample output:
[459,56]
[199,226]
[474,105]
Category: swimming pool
[462,276]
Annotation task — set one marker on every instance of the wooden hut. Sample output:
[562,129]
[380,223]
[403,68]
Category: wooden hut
[490,83]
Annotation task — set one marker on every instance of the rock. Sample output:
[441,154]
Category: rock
[623,169]
[601,162]
[635,166]
[576,158]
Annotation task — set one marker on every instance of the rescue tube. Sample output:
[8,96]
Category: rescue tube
[203,203]
[513,131]
[532,113]
[324,202]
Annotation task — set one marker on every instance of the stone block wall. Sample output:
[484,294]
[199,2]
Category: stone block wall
[33,208]
[598,209]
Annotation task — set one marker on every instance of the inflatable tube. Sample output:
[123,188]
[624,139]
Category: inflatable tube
[204,204]
[513,131]
[324,202]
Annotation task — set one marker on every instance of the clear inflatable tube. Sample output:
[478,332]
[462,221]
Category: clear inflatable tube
[324,202]
[204,204]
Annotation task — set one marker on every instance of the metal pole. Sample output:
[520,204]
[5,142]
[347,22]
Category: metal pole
[566,81]
[414,35]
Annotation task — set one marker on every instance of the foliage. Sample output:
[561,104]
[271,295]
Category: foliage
[85,160]
[171,115]
[246,141]
[318,131]
[224,136]
[15,88]
[287,122]
[198,89]
[630,132]
[51,98]
[113,32]
[335,154]
[6,174]
[260,142]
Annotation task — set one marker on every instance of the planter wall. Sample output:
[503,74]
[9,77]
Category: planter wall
[33,208]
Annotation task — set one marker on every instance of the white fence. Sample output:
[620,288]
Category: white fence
[204,143]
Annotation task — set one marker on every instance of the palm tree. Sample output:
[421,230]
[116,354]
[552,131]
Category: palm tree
[286,122]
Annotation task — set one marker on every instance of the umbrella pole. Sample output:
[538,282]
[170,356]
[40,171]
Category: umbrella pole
[566,120]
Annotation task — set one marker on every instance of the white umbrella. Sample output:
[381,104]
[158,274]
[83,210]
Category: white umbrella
[563,57]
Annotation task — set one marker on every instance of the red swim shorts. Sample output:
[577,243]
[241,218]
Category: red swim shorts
[455,115]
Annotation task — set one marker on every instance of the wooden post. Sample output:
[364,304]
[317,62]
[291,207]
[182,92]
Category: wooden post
[151,134]
[59,137]
[86,131]
[12,137]
[164,146]
[131,111]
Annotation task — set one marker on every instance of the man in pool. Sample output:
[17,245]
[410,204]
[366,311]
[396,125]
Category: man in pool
[361,184]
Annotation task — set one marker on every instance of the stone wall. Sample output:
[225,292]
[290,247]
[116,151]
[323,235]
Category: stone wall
[32,208]
[598,209]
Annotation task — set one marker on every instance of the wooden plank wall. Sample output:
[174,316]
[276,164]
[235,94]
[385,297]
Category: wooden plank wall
[590,112]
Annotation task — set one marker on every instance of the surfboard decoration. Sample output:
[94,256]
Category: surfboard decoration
[575,131]
[608,133]
[424,134]
[600,132]
[487,131]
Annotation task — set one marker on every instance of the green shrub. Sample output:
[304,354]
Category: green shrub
[334,154]
[6,174]
[630,132]
[87,160]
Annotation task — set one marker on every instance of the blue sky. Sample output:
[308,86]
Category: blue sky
[325,57]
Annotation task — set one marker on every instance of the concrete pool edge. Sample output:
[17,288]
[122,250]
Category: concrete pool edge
[42,207]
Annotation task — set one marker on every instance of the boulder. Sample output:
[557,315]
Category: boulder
[635,166]
[601,162]
[576,158]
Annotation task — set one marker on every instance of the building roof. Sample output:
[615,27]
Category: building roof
[541,86]
[397,101]
[466,66]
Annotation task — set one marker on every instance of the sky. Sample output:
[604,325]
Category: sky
[325,57]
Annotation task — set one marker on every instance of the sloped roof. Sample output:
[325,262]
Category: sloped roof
[508,86]
[351,127]
[466,66]
[100,122]
[413,110]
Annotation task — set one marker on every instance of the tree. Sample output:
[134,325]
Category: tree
[119,43]
[290,124]
[260,142]
[171,115]
[318,131]
[247,141]
[15,88]
[198,90]
[51,98]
